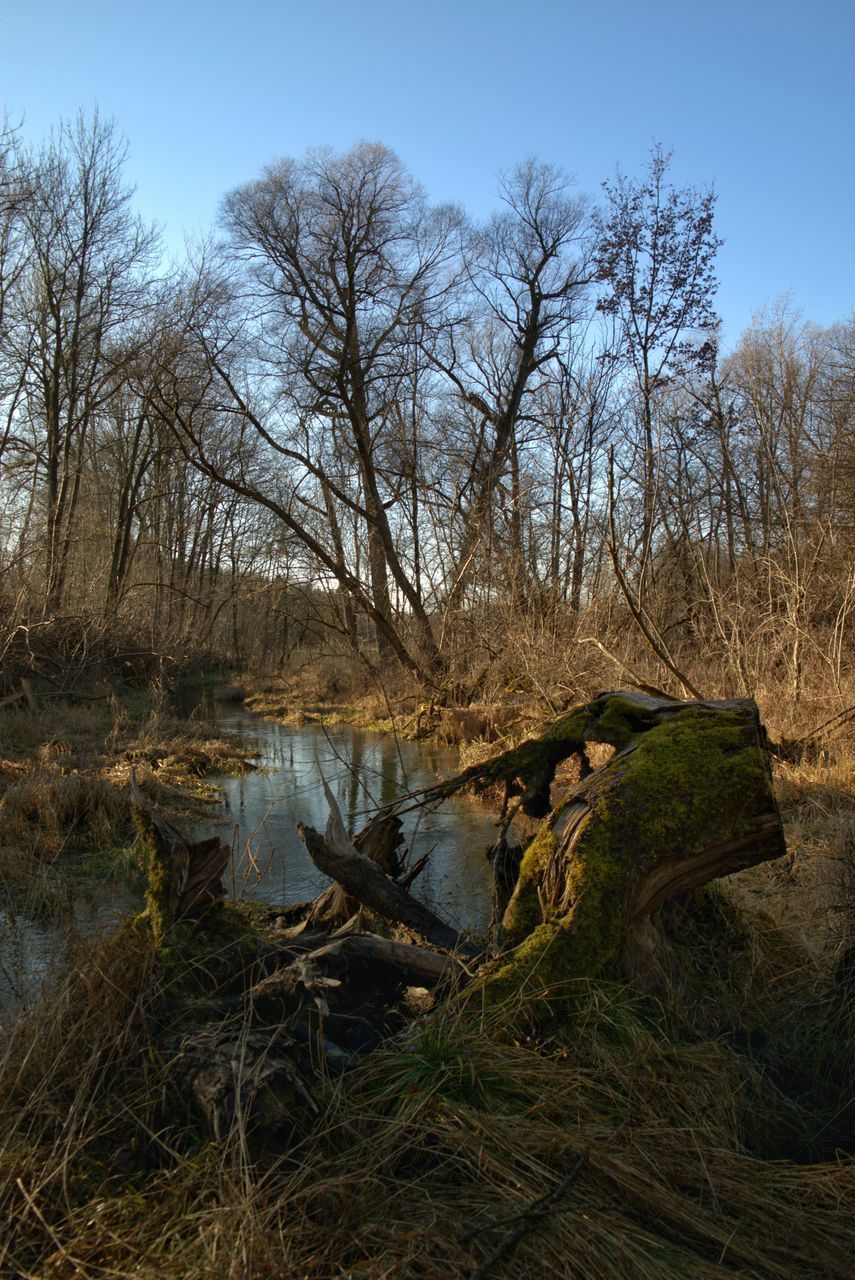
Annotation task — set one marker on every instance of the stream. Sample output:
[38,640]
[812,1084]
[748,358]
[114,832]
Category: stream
[364,771]
[258,818]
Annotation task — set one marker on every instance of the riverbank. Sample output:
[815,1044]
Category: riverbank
[698,1126]
[65,766]
[694,1132]
[313,696]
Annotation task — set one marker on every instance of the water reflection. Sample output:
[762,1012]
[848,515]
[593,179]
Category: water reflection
[364,771]
[270,862]
[35,949]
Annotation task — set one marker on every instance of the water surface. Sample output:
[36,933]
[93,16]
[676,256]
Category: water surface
[364,771]
[259,817]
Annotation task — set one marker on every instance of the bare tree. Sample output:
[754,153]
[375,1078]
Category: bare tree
[86,280]
[528,269]
[346,263]
[656,258]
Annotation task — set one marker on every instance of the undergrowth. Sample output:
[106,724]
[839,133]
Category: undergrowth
[699,1124]
[667,1140]
[64,798]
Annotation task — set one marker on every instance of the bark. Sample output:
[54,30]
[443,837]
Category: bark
[686,798]
[379,841]
[362,879]
[234,1079]
[184,877]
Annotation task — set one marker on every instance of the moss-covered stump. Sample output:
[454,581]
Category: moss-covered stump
[183,876]
[687,797]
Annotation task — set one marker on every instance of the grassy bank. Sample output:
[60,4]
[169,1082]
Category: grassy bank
[65,767]
[634,1139]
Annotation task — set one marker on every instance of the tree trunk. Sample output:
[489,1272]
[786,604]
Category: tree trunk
[686,798]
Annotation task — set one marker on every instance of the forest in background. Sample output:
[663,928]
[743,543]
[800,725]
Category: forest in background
[506,460]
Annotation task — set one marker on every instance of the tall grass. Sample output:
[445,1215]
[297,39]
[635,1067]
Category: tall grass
[699,1125]
[623,1142]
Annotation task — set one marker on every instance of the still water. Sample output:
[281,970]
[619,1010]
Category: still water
[364,771]
[259,817]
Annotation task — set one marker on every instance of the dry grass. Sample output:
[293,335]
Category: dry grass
[334,689]
[425,1162]
[64,772]
[710,1121]
[712,1113]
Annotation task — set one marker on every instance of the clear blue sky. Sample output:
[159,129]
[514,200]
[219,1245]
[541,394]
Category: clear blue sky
[756,97]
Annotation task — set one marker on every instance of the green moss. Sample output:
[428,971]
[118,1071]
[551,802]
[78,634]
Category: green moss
[200,963]
[570,729]
[158,875]
[529,769]
[226,941]
[584,943]
[524,911]
[535,970]
[618,721]
[689,782]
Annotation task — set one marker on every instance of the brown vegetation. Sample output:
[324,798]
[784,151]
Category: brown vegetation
[695,1127]
[512,466]
[65,771]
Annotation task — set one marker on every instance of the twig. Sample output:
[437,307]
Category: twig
[524,1220]
[627,669]
[645,624]
[844,715]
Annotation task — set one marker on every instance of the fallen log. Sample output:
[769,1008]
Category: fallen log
[363,880]
[417,965]
[277,1006]
[380,841]
[346,997]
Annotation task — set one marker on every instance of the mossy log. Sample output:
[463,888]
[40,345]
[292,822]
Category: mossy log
[686,798]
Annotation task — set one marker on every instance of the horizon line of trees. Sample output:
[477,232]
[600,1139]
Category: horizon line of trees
[459,448]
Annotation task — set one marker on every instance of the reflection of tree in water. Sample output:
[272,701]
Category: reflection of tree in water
[366,771]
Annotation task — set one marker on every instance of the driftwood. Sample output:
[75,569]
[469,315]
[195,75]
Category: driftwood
[686,797]
[320,1009]
[316,996]
[380,841]
[234,1075]
[363,880]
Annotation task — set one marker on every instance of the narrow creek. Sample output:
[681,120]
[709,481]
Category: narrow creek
[364,771]
[258,818]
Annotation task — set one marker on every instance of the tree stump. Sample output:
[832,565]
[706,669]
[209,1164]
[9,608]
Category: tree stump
[183,876]
[686,798]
